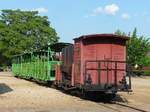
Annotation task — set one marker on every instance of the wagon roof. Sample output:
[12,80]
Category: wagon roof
[83,37]
[57,47]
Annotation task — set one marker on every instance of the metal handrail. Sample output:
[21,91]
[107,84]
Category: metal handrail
[115,69]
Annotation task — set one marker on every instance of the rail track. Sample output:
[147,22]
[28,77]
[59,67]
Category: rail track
[120,107]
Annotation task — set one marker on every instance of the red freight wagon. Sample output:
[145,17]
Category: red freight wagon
[94,63]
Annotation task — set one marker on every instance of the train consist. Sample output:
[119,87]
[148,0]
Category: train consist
[94,63]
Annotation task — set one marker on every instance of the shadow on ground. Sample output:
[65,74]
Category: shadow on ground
[103,98]
[4,88]
[96,97]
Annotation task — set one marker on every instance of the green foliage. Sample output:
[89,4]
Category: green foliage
[138,48]
[119,32]
[146,61]
[24,31]
[147,73]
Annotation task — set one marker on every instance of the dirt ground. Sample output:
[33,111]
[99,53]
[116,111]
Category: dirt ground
[140,97]
[18,95]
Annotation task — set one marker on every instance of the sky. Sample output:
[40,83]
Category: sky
[73,18]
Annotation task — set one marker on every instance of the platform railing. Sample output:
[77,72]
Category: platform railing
[114,67]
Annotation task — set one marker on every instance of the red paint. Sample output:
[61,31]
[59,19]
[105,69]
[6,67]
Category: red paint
[99,47]
[58,73]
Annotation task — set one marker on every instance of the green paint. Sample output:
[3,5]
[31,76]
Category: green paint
[37,65]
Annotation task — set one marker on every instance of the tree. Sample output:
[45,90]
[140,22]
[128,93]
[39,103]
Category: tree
[137,49]
[24,31]
[119,32]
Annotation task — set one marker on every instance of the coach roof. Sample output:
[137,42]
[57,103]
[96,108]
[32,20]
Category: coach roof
[83,37]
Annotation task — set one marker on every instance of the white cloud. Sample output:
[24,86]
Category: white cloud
[41,10]
[125,16]
[111,9]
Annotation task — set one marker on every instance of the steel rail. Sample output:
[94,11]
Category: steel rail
[123,106]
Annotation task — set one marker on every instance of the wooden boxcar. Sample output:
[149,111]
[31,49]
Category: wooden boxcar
[94,63]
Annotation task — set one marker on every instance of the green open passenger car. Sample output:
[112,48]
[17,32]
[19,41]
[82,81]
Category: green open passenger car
[38,65]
